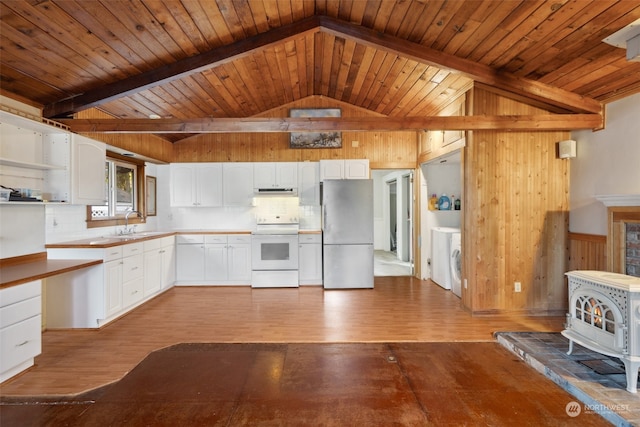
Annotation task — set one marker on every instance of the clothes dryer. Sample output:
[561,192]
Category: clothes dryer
[455,262]
[440,255]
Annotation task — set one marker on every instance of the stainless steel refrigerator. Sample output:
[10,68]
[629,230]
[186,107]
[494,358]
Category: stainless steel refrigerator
[347,233]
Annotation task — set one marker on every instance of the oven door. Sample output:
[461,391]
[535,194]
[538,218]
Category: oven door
[274,252]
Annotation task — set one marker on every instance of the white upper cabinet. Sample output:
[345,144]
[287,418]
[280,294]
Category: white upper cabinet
[196,184]
[275,175]
[344,169]
[87,171]
[62,166]
[238,184]
[309,183]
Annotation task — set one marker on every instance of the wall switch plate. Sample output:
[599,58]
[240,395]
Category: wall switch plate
[465,283]
[517,286]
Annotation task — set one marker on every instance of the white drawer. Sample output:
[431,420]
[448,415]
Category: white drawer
[189,238]
[215,238]
[240,238]
[310,238]
[20,342]
[168,241]
[132,267]
[132,292]
[132,249]
[152,245]
[20,292]
[20,311]
[113,253]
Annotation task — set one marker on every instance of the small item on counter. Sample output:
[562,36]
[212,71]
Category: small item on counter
[457,204]
[433,202]
[444,204]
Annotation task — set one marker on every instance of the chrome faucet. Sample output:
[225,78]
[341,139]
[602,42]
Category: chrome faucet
[128,230]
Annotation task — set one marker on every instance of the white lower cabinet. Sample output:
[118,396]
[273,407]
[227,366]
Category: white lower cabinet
[214,259]
[159,265]
[20,327]
[310,259]
[94,296]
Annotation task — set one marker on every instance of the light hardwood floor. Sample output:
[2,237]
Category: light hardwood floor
[399,309]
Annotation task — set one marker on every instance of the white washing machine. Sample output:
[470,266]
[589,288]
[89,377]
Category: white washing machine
[455,263]
[440,255]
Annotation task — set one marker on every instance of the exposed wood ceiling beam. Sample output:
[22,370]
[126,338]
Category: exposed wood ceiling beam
[539,92]
[356,124]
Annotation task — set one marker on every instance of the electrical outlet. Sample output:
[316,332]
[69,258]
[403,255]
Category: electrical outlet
[517,286]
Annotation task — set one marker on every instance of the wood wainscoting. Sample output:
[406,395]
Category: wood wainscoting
[587,252]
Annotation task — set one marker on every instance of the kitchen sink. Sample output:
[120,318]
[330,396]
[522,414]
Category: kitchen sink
[134,236]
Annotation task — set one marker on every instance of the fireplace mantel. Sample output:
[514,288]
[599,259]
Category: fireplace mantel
[619,199]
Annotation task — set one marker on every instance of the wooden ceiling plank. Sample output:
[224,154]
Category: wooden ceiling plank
[283,71]
[336,65]
[325,63]
[318,53]
[395,19]
[224,96]
[257,83]
[354,124]
[245,14]
[291,56]
[555,31]
[360,67]
[370,13]
[188,93]
[197,10]
[113,34]
[440,15]
[215,18]
[421,90]
[268,80]
[302,69]
[358,10]
[235,88]
[219,105]
[405,84]
[388,85]
[272,63]
[518,24]
[37,41]
[298,11]
[451,19]
[353,68]
[344,10]
[13,83]
[371,74]
[181,68]
[481,24]
[484,74]
[343,72]
[414,17]
[228,12]
[201,96]
[288,69]
[156,28]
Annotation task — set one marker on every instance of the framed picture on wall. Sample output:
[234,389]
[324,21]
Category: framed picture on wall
[315,139]
[151,195]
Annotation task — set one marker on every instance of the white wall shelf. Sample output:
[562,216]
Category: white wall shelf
[29,165]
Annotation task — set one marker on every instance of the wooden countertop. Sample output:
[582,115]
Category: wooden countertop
[109,241]
[19,270]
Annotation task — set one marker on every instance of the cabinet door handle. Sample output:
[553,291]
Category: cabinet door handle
[22,343]
[134,268]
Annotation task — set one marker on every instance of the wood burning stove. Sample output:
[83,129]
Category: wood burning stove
[604,316]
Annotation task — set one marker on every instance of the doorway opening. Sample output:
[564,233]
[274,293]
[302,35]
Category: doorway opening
[393,222]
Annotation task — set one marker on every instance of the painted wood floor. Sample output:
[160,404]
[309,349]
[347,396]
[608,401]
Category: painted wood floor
[399,309]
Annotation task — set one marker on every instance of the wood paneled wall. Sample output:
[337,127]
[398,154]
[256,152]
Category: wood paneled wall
[587,252]
[384,150]
[515,214]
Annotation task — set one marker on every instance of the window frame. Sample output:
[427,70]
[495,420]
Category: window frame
[140,196]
